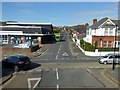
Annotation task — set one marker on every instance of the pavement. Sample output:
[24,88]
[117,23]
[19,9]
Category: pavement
[6,78]
[112,75]
[75,51]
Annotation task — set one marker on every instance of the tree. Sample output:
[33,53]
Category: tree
[96,43]
[87,25]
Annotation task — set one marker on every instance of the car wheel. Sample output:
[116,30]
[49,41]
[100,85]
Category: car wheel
[105,62]
[16,68]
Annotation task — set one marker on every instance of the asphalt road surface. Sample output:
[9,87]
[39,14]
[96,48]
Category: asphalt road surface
[58,53]
[67,78]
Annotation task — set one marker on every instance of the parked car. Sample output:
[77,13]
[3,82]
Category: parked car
[109,59]
[17,62]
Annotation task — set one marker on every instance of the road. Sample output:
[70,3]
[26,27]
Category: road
[59,68]
[66,78]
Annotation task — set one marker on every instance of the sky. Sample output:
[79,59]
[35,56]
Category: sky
[58,13]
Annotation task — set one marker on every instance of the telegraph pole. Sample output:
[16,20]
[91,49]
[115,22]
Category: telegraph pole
[113,65]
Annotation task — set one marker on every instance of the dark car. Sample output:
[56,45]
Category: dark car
[17,62]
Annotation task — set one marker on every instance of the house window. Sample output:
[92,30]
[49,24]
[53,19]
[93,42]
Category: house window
[118,32]
[106,31]
[95,31]
[87,32]
[4,38]
[111,31]
[110,44]
[105,43]
[118,43]
[0,37]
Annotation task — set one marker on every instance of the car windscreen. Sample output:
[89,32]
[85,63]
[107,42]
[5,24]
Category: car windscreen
[12,58]
[105,56]
[57,37]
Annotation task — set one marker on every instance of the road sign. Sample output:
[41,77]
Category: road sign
[65,54]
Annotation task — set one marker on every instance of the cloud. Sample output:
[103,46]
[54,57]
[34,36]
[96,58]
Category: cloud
[88,20]
[114,6]
[94,13]
[25,12]
[114,17]
[60,0]
[80,21]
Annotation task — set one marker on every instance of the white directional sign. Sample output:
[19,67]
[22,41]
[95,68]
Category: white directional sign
[33,79]
[65,54]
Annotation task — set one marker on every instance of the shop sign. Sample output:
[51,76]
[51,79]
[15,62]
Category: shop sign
[21,38]
[29,37]
[39,38]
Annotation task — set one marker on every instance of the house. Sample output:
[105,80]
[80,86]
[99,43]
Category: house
[14,32]
[79,32]
[106,31]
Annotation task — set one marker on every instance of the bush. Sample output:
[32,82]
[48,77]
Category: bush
[108,49]
[88,46]
[96,43]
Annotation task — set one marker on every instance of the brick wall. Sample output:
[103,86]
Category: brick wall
[15,51]
[103,38]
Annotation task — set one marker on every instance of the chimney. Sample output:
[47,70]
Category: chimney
[94,21]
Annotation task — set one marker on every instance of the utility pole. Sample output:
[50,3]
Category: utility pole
[113,65]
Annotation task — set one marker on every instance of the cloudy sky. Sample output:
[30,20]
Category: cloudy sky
[58,13]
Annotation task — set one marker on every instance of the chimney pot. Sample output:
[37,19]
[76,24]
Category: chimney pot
[94,21]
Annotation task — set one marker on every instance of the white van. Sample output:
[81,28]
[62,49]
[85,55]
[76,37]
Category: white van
[109,59]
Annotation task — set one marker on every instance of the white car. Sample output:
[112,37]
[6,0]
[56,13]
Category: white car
[109,59]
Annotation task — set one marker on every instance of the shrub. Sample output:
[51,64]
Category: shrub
[88,46]
[96,43]
[108,49]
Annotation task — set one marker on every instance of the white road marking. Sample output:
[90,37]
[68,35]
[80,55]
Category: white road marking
[88,71]
[57,74]
[32,79]
[65,54]
[58,52]
[59,49]
[56,57]
[57,87]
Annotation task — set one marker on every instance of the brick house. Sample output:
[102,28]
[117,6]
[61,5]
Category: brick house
[104,31]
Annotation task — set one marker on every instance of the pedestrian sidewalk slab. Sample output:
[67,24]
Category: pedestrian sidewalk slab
[78,53]
[113,75]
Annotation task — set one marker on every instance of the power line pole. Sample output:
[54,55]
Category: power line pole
[113,65]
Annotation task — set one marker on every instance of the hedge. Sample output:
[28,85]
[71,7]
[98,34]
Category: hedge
[88,46]
[108,49]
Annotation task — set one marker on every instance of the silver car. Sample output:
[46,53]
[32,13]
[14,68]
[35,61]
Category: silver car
[109,59]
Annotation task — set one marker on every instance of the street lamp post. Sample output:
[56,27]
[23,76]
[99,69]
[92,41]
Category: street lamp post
[113,65]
